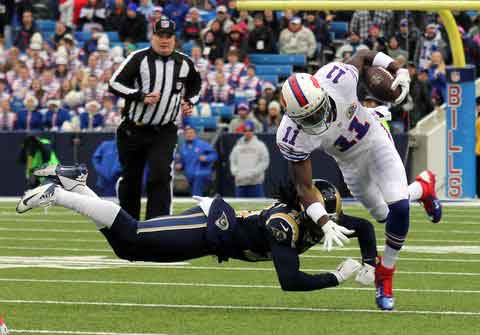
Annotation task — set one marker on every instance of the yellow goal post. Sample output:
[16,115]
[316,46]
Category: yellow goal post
[443,7]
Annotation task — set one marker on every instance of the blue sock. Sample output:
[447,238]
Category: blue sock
[398,222]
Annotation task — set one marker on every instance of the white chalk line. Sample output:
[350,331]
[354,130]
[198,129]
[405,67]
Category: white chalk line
[238,307]
[217,285]
[73,332]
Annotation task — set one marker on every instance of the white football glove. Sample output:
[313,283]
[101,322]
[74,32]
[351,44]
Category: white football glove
[402,79]
[204,203]
[334,233]
[366,275]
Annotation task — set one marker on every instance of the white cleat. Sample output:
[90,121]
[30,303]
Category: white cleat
[41,196]
[366,275]
[69,177]
[346,269]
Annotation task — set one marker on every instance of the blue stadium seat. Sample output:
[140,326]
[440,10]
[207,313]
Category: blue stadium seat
[224,111]
[116,44]
[45,25]
[83,36]
[207,16]
[142,45]
[272,78]
[17,104]
[273,59]
[202,123]
[279,70]
[48,35]
[187,47]
[113,36]
[339,29]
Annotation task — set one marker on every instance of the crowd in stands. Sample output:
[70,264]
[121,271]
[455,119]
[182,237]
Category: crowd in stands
[56,57]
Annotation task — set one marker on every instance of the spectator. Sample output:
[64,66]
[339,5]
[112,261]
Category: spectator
[244,20]
[352,45]
[200,62]
[272,23]
[61,67]
[4,94]
[112,115]
[420,90]
[92,15]
[375,41]
[49,84]
[362,20]
[176,10]
[27,29]
[61,30]
[437,75]
[107,166]
[116,16]
[234,68]
[7,116]
[29,118]
[91,119]
[297,39]
[134,26]
[65,8]
[220,91]
[196,158]
[55,116]
[193,26]
[249,160]
[237,124]
[38,91]
[394,49]
[319,27]
[261,110]
[21,85]
[237,41]
[146,8]
[268,91]
[272,122]
[428,43]
[261,39]
[214,42]
[154,17]
[222,17]
[407,38]
[250,86]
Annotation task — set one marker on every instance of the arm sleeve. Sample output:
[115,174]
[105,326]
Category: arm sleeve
[289,275]
[210,153]
[193,84]
[233,162]
[122,82]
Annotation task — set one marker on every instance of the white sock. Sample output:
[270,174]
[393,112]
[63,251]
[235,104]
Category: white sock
[102,212]
[390,257]
[415,191]
[84,190]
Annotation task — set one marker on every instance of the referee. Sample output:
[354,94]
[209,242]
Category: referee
[159,84]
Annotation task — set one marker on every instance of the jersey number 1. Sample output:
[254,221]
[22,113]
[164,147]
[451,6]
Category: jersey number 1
[287,138]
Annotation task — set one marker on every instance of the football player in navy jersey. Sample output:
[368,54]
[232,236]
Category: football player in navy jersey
[279,233]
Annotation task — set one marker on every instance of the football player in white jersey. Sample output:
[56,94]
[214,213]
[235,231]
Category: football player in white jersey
[323,112]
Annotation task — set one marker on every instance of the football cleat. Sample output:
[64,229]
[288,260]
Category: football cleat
[41,196]
[67,176]
[384,286]
[366,275]
[346,269]
[429,199]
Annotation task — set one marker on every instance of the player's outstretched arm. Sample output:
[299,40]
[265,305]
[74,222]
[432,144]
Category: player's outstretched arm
[312,202]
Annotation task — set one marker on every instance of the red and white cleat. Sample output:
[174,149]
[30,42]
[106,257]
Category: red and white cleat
[429,199]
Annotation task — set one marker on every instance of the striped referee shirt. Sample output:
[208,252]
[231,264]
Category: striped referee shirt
[144,72]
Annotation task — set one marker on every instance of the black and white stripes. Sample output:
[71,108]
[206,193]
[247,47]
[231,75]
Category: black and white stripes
[143,72]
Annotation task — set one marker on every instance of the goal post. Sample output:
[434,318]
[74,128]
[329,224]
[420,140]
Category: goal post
[460,95]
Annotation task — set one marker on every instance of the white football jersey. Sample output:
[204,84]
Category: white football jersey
[350,126]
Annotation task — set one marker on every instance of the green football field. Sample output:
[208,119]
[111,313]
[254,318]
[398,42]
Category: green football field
[59,276]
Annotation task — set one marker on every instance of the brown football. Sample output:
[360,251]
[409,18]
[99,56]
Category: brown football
[379,81]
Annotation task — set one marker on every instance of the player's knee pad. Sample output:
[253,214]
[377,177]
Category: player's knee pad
[380,213]
[398,222]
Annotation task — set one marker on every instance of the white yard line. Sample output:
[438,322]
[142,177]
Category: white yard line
[73,332]
[216,285]
[237,307]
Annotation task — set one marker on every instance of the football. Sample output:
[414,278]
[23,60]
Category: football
[379,81]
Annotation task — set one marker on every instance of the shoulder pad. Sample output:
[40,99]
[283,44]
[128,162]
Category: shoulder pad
[283,228]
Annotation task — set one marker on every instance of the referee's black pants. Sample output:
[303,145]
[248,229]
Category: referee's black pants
[138,145]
